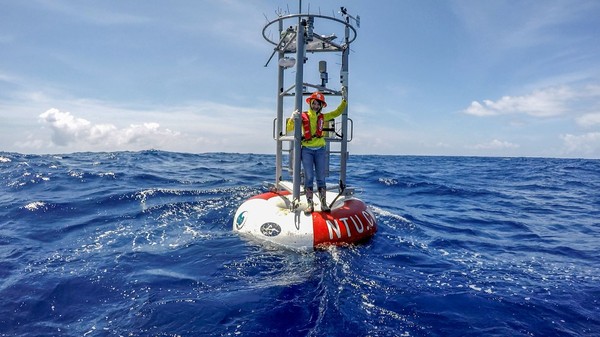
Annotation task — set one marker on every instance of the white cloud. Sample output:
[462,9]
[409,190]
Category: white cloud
[68,129]
[541,103]
[587,144]
[196,128]
[589,120]
[496,145]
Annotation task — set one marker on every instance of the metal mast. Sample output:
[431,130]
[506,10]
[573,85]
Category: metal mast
[298,39]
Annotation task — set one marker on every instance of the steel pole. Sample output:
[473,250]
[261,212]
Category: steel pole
[344,80]
[300,47]
[279,120]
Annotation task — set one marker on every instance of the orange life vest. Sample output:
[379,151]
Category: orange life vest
[306,126]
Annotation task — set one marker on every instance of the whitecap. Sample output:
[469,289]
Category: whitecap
[382,212]
[474,287]
[388,181]
[32,206]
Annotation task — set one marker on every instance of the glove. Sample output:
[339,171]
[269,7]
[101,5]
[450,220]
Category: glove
[295,113]
[344,93]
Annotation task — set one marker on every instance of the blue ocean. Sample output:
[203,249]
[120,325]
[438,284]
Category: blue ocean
[141,244]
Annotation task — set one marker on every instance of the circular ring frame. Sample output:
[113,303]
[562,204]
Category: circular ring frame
[291,16]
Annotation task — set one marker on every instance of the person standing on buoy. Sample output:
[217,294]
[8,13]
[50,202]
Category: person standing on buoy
[313,152]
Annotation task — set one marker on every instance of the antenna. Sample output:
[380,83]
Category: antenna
[345,14]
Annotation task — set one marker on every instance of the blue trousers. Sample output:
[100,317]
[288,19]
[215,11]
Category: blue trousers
[313,161]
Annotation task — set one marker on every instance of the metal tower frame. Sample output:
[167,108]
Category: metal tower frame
[297,40]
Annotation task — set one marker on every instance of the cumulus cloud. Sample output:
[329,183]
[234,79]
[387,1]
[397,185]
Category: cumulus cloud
[542,103]
[586,144]
[68,129]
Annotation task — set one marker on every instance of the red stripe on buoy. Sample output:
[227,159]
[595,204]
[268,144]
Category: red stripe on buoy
[351,223]
[268,195]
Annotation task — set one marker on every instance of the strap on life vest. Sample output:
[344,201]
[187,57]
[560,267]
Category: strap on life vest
[306,126]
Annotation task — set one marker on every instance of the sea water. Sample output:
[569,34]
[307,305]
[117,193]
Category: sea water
[141,244]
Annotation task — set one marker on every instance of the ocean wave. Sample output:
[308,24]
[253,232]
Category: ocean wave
[141,243]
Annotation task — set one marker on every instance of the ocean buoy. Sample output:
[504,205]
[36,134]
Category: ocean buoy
[280,215]
[268,217]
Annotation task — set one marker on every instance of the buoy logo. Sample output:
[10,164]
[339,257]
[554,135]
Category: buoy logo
[270,229]
[241,219]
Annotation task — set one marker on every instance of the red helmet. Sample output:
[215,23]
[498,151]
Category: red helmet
[318,96]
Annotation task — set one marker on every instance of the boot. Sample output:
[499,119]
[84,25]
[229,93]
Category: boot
[309,200]
[322,198]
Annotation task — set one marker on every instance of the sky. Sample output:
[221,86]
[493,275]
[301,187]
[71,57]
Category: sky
[427,77]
